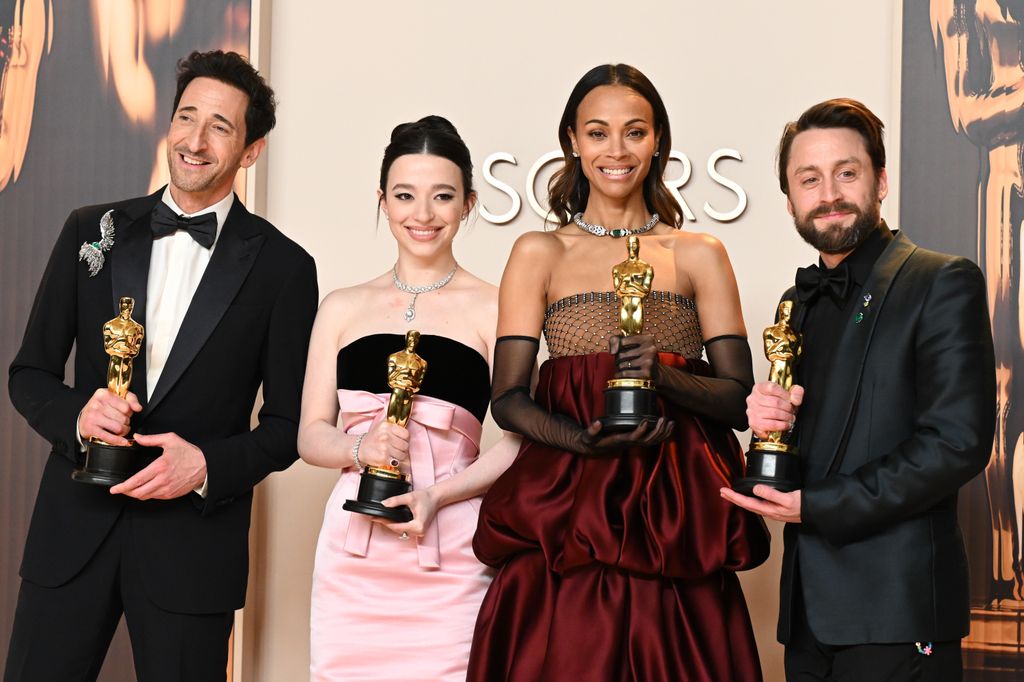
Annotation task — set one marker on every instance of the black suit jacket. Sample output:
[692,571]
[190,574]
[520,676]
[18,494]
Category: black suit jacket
[248,325]
[911,391]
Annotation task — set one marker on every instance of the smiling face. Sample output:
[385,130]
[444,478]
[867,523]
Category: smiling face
[615,138]
[206,143]
[834,194]
[424,203]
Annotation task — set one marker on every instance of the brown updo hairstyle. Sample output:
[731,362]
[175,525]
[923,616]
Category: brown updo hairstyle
[569,189]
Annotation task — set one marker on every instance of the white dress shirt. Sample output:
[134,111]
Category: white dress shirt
[176,265]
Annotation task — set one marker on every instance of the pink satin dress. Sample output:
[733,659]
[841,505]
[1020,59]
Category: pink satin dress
[385,608]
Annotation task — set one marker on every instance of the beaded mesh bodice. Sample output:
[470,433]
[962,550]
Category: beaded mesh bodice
[581,323]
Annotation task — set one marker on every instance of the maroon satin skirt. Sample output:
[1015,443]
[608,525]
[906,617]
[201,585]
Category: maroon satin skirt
[617,568]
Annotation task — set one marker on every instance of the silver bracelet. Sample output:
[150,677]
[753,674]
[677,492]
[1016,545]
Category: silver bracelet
[355,451]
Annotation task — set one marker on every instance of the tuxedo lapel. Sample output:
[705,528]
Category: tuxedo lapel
[843,384]
[129,272]
[233,256]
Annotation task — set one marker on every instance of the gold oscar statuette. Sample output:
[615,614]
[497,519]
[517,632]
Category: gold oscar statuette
[107,464]
[773,460]
[630,402]
[406,371]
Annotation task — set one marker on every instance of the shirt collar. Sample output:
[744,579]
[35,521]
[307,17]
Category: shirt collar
[221,209]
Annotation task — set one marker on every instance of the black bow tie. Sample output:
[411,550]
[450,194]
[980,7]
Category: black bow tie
[813,281]
[203,228]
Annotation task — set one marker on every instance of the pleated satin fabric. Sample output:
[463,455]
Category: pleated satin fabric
[622,567]
[386,609]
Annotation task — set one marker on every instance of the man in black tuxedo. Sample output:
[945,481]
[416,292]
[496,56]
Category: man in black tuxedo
[227,302]
[895,395]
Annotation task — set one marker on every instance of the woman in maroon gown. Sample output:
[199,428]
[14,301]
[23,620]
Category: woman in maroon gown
[616,556]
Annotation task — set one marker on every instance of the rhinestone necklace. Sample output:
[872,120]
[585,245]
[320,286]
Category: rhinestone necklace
[601,230]
[410,312]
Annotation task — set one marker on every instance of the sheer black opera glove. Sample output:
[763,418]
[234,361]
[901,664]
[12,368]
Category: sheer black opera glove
[514,410]
[721,397]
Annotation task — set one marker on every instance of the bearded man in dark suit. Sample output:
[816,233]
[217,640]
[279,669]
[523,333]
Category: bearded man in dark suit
[894,411]
[227,302]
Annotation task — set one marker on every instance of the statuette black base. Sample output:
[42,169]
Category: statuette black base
[778,470]
[373,488]
[627,408]
[111,464]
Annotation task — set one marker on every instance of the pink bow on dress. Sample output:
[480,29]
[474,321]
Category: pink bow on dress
[432,423]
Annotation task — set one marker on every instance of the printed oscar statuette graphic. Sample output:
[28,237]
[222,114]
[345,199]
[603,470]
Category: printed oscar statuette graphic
[406,371]
[107,464]
[774,461]
[630,402]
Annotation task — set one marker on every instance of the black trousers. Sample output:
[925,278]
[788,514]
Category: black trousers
[808,660]
[62,633]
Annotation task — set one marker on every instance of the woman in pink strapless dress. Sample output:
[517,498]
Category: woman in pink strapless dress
[397,601]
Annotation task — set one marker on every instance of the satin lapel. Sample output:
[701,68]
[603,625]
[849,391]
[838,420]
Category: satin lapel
[129,272]
[843,383]
[233,257]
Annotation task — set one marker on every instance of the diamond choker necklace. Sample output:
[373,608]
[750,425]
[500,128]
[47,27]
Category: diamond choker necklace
[410,312]
[601,230]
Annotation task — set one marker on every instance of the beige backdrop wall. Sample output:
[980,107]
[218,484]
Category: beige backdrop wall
[731,74]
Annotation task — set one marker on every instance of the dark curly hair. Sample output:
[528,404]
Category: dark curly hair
[234,70]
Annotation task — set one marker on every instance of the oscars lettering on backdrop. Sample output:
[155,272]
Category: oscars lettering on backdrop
[674,183]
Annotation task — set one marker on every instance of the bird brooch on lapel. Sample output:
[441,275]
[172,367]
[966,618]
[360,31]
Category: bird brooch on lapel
[92,252]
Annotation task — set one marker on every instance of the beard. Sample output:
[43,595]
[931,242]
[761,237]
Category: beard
[836,238]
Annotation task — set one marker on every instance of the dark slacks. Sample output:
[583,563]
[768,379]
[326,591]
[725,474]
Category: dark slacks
[808,660]
[62,633]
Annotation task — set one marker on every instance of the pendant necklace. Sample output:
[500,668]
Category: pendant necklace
[601,230]
[410,312]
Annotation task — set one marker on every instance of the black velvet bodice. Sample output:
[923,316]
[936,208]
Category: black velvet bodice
[455,372]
